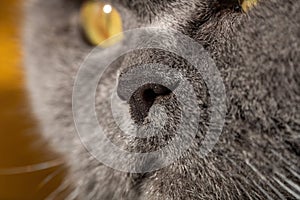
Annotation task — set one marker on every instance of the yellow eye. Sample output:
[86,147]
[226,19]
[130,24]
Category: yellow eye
[99,22]
[247,4]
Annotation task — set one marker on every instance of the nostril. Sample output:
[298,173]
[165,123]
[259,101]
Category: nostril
[149,95]
[153,91]
[141,86]
[143,98]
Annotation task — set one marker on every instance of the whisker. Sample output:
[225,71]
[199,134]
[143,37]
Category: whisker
[265,179]
[245,191]
[294,173]
[288,166]
[58,190]
[236,188]
[283,159]
[255,170]
[262,190]
[287,188]
[256,184]
[72,195]
[50,177]
[290,182]
[32,168]
[292,168]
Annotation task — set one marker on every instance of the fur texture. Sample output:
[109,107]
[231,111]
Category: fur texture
[258,154]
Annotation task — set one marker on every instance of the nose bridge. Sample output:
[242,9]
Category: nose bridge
[169,14]
[148,11]
[151,64]
[174,17]
[147,55]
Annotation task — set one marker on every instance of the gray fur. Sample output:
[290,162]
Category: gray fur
[258,57]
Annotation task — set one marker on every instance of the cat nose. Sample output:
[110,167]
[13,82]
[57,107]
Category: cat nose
[141,100]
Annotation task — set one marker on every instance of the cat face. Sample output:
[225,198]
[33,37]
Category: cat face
[257,149]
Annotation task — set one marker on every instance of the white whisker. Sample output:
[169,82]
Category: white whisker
[257,185]
[49,177]
[262,190]
[294,173]
[265,179]
[32,168]
[245,191]
[291,183]
[72,195]
[54,194]
[238,191]
[287,188]
[291,167]
[255,170]
[283,159]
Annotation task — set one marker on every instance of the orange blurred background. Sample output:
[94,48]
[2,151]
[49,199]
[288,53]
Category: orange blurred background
[28,170]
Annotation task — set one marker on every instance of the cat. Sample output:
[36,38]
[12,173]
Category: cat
[257,155]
